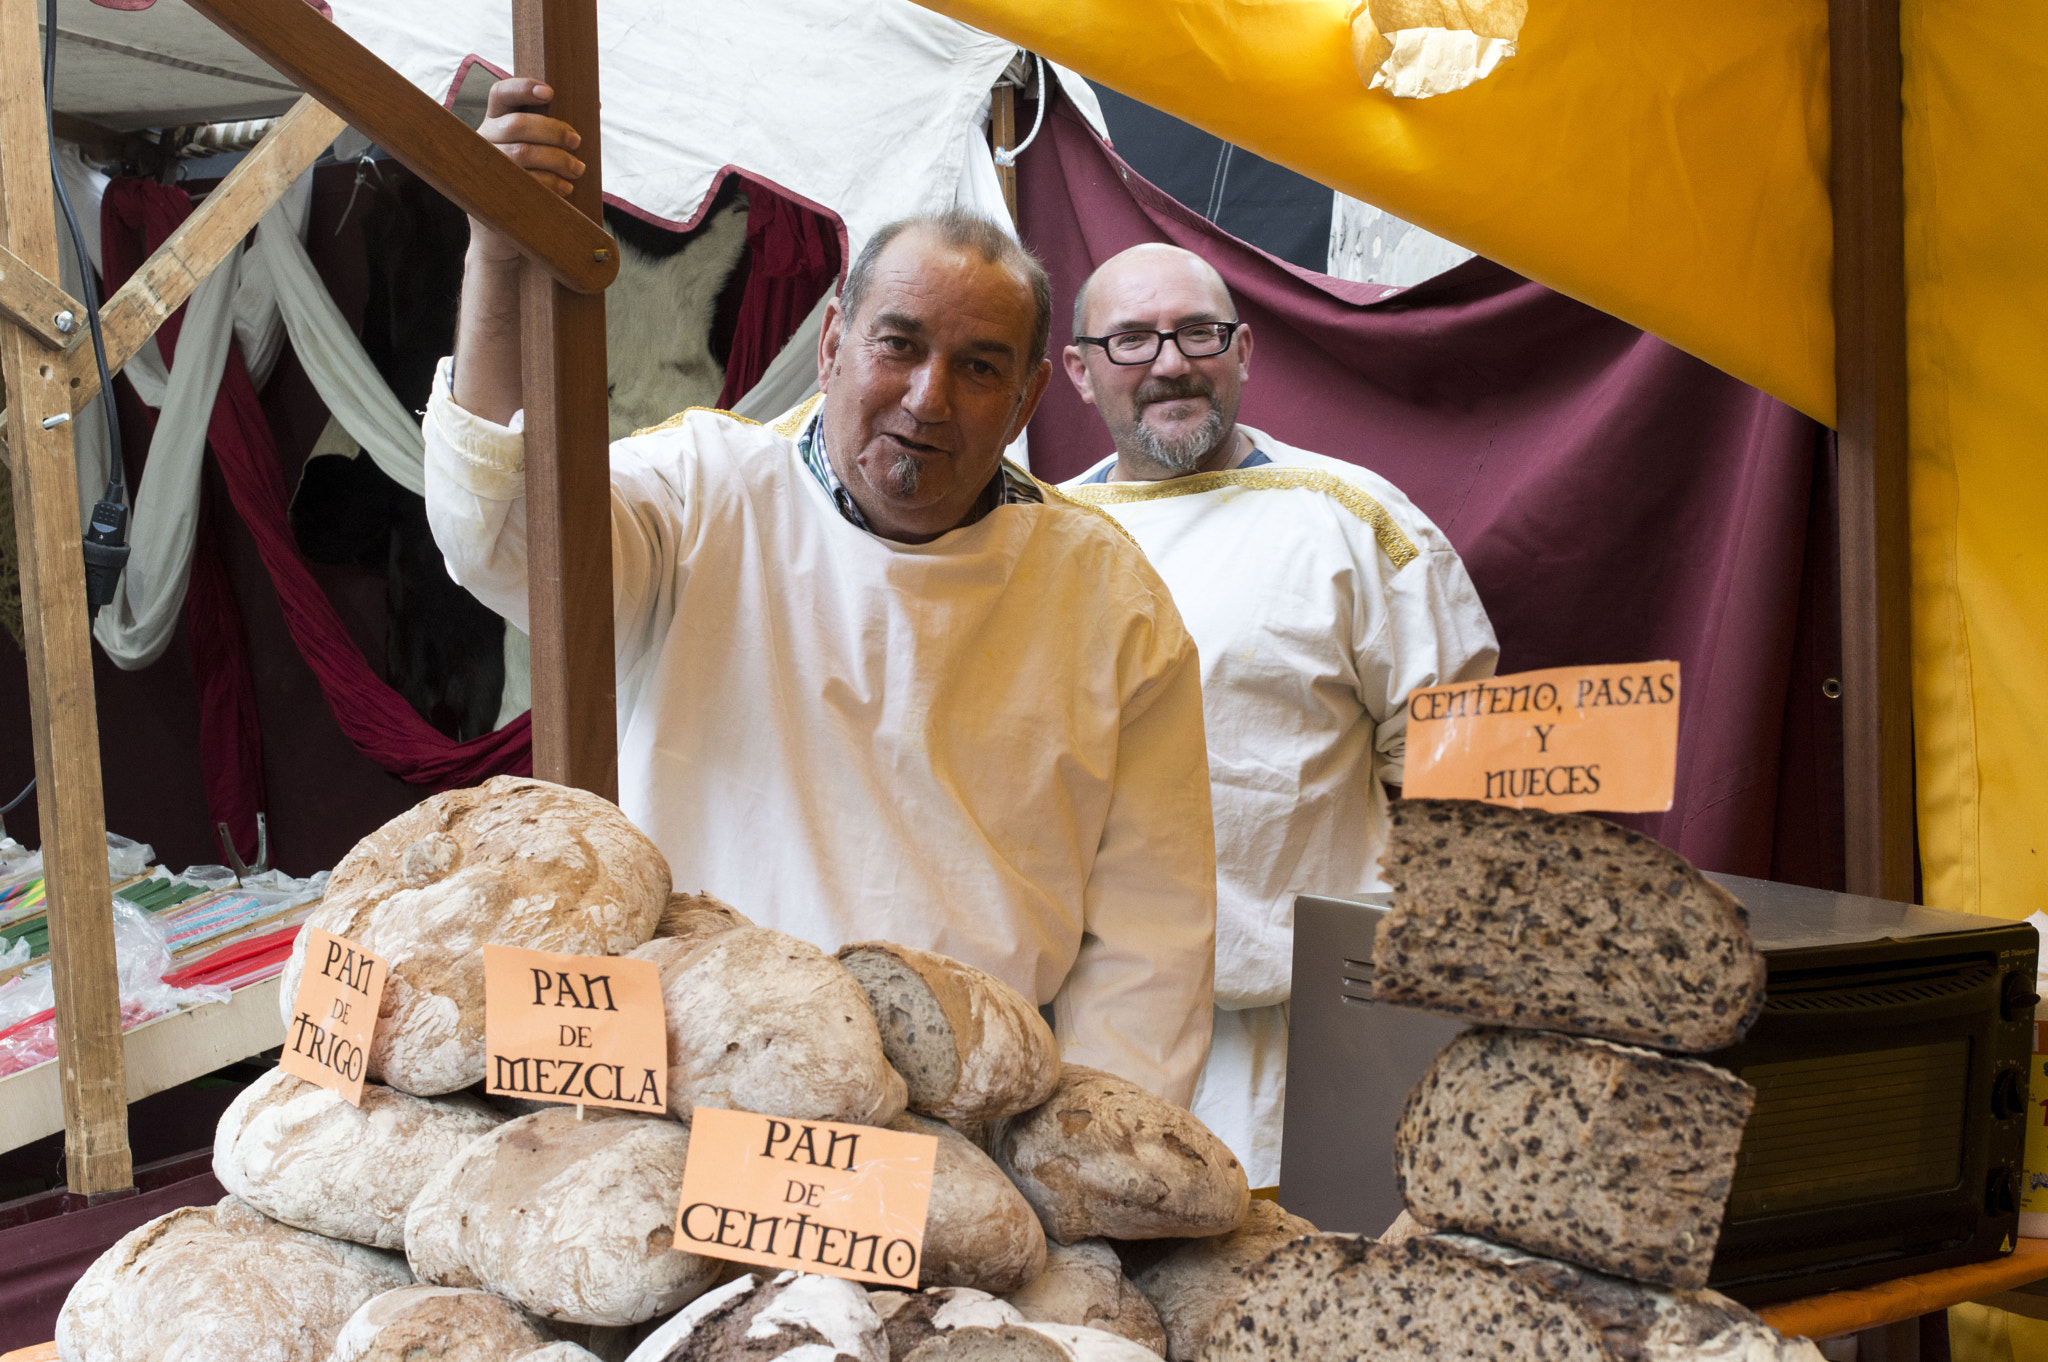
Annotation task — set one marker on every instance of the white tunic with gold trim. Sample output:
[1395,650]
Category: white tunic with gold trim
[1319,597]
[988,746]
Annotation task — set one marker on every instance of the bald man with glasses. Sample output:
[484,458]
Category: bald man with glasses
[1318,597]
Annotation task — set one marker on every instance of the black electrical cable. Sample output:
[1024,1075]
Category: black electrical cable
[15,802]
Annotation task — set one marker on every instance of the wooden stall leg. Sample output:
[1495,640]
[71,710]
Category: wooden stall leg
[1868,182]
[59,650]
[568,470]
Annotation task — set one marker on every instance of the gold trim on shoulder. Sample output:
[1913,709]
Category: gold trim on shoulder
[1054,495]
[794,420]
[1393,541]
[677,419]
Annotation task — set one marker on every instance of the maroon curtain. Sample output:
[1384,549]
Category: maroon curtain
[1615,499]
[793,256]
[374,716]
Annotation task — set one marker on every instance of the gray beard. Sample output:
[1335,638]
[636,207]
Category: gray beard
[904,475]
[1180,456]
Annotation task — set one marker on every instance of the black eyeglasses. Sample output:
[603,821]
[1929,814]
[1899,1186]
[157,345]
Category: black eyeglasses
[1197,340]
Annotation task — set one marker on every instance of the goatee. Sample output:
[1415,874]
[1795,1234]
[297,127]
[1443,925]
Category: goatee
[1183,454]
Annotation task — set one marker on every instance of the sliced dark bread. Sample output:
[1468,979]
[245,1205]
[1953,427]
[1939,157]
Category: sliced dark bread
[1615,1158]
[1193,1285]
[1560,922]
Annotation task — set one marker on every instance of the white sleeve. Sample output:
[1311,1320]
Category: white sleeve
[1138,1001]
[1434,631]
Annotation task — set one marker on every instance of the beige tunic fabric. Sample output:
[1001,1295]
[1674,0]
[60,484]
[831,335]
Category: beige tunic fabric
[989,746]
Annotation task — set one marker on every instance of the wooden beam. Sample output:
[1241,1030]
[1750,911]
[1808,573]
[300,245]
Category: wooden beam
[1868,183]
[1002,131]
[433,143]
[34,303]
[568,460]
[58,643]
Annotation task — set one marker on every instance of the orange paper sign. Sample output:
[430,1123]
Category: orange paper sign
[1565,739]
[574,1028]
[817,1196]
[334,1015]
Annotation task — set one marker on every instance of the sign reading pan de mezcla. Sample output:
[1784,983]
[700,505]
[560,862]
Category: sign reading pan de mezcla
[817,1196]
[574,1028]
[334,1014]
[1567,739]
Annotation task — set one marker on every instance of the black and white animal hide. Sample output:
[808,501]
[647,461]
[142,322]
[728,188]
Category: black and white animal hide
[659,316]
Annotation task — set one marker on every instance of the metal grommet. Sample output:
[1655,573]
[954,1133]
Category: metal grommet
[65,321]
[1831,688]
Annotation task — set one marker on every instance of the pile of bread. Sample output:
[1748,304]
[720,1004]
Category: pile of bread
[1073,1215]
[1565,1173]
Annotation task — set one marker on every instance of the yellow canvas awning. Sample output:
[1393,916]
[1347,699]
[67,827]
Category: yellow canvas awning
[1668,164]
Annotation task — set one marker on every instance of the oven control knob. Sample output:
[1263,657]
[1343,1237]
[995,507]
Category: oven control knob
[2016,997]
[2000,1197]
[2008,1094]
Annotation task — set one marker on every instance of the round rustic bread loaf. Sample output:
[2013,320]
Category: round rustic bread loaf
[208,1283]
[1104,1157]
[970,1047]
[797,1316]
[300,1154]
[438,1324]
[1193,1286]
[695,917]
[1337,1295]
[1084,1283]
[572,1219]
[911,1318]
[761,1021]
[513,862]
[1611,1157]
[979,1231]
[1031,1342]
[1560,922]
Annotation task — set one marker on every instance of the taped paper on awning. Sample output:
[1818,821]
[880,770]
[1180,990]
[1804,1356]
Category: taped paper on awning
[1414,49]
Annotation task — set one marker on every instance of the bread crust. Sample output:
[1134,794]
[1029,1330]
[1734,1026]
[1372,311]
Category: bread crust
[1561,922]
[979,1231]
[1103,1157]
[512,862]
[1192,1286]
[1084,1284]
[438,1324]
[803,1317]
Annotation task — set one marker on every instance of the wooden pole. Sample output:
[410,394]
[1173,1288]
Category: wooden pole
[568,433]
[1868,183]
[57,635]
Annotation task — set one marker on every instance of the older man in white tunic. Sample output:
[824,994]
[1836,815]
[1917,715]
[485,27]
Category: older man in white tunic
[1318,596]
[873,682]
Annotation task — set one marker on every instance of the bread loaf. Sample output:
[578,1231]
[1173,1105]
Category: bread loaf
[979,1231]
[1433,1298]
[697,917]
[1030,1342]
[1192,1286]
[760,1021]
[438,1324]
[1560,922]
[572,1219]
[1104,1157]
[793,1315]
[301,1155]
[1614,1158]
[1084,1284]
[912,1318]
[513,862]
[970,1047]
[206,1283]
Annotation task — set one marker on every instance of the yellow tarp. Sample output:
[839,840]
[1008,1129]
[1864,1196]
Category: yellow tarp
[1667,163]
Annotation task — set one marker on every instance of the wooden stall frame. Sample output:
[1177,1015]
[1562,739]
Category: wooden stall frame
[49,376]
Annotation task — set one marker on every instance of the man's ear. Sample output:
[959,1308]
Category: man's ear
[1039,379]
[1076,360]
[1244,352]
[828,345]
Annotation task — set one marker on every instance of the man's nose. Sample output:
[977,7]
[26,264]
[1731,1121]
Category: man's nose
[1170,362]
[929,398]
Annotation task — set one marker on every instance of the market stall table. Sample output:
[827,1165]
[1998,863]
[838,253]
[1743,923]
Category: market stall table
[1893,1302]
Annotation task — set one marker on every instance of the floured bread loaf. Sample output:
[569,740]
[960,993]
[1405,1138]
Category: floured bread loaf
[1084,1283]
[1560,922]
[299,1154]
[206,1283]
[513,862]
[1429,1299]
[760,1021]
[970,1047]
[572,1219]
[1192,1286]
[1611,1157]
[912,1318]
[1029,1342]
[794,1315]
[438,1324]
[979,1231]
[697,917]
[1102,1156]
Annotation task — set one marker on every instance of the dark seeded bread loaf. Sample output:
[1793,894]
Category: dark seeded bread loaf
[799,1316]
[910,1319]
[1437,1299]
[1560,922]
[1615,1158]
[1194,1284]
